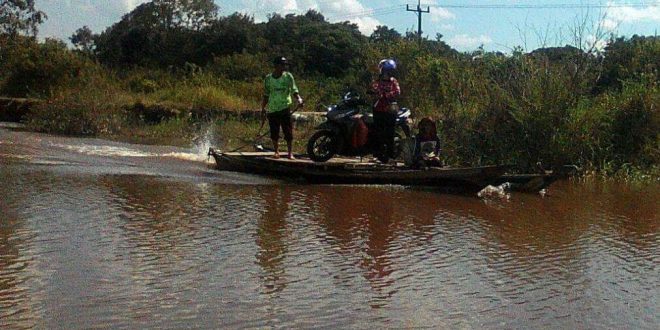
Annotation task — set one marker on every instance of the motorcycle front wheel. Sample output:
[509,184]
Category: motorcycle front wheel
[322,146]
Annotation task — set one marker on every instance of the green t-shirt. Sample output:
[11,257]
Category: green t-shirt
[279,91]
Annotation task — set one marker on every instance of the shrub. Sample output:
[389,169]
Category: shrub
[34,70]
[94,105]
[142,85]
[242,66]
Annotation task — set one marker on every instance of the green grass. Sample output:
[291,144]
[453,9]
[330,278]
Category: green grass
[206,98]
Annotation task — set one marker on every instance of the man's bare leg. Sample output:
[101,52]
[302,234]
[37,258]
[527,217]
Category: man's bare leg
[289,148]
[276,148]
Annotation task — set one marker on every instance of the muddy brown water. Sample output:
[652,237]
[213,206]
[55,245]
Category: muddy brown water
[97,234]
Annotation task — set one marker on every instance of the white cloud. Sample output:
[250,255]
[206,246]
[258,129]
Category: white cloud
[367,25]
[436,13]
[634,14]
[597,44]
[65,17]
[441,14]
[335,11]
[447,27]
[464,41]
[290,5]
[620,13]
[609,24]
[129,5]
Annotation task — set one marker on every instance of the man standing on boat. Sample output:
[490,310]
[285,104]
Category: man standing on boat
[279,90]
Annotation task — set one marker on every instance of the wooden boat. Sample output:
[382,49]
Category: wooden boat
[354,171]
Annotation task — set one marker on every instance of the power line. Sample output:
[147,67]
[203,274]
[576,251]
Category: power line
[368,13]
[547,6]
[393,9]
[419,13]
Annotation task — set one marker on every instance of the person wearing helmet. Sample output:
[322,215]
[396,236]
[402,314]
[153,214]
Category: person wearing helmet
[279,90]
[386,89]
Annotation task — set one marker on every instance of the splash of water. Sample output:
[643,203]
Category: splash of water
[197,152]
[202,145]
[200,148]
[107,151]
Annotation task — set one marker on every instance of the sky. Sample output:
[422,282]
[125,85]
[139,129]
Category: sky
[497,25]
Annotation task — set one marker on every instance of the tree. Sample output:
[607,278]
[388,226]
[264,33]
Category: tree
[385,34]
[83,40]
[20,16]
[316,46]
[232,34]
[159,32]
[188,14]
[314,15]
[630,59]
[558,54]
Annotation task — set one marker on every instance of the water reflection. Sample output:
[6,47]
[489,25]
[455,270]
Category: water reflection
[271,235]
[156,216]
[364,223]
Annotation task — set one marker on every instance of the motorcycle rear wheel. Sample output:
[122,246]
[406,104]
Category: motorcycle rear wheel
[322,146]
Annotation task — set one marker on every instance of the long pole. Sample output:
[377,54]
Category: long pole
[419,13]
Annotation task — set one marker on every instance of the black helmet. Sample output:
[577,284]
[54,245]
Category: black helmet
[280,60]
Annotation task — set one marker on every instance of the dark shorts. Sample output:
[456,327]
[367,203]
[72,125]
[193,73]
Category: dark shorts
[385,127]
[281,119]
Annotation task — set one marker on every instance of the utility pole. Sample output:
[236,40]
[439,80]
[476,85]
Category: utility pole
[419,13]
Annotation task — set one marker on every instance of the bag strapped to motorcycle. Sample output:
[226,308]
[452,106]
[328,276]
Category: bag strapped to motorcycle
[360,133]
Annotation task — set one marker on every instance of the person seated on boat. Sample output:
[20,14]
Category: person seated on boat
[279,90]
[427,144]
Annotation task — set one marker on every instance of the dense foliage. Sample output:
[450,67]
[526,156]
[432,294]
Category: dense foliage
[553,105]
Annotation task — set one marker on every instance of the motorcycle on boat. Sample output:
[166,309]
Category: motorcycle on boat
[349,131]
